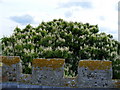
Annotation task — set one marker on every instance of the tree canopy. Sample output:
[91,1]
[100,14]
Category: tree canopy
[72,41]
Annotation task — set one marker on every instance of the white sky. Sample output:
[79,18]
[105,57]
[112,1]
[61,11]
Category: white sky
[22,12]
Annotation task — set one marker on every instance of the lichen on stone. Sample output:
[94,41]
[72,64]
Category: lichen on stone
[96,64]
[9,60]
[52,63]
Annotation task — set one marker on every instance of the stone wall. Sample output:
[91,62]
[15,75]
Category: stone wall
[50,72]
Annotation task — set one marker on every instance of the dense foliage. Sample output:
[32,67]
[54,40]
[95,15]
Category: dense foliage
[61,39]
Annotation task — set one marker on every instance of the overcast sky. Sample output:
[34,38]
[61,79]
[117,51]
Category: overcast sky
[22,12]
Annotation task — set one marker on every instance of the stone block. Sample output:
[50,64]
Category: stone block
[94,73]
[48,71]
[10,68]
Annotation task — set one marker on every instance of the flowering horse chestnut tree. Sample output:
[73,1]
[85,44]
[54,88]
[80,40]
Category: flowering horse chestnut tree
[72,41]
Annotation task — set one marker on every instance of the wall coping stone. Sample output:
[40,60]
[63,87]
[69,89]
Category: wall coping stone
[96,64]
